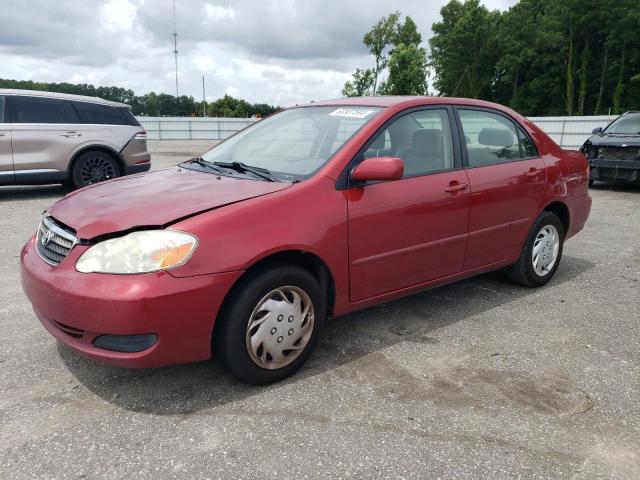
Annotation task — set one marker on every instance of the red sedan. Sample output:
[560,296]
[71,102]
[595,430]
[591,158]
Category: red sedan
[316,211]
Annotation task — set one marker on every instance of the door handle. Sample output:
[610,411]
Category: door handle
[71,134]
[2,134]
[533,172]
[455,187]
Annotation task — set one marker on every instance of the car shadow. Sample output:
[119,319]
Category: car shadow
[185,389]
[616,187]
[34,192]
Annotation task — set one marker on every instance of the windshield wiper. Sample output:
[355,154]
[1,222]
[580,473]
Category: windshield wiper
[203,163]
[243,167]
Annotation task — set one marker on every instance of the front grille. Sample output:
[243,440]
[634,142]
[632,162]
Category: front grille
[618,153]
[53,241]
[71,331]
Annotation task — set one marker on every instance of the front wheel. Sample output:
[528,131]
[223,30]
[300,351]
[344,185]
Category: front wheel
[94,167]
[270,324]
[541,253]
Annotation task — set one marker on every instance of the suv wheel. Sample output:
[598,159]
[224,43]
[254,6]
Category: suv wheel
[94,167]
[269,325]
[541,254]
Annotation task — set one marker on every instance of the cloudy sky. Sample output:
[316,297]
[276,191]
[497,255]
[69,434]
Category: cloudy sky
[280,52]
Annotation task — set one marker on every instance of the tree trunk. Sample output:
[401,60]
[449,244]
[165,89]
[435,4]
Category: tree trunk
[584,78]
[602,75]
[619,90]
[570,80]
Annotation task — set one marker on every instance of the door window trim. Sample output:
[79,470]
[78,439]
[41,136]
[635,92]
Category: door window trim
[516,125]
[344,179]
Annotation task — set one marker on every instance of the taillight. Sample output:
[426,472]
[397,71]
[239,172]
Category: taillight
[140,136]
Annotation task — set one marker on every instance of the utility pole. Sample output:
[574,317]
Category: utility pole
[204,99]
[175,44]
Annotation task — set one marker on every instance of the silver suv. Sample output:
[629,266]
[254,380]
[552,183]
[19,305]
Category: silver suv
[48,137]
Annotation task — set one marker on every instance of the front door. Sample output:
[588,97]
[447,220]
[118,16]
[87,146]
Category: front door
[507,179]
[409,231]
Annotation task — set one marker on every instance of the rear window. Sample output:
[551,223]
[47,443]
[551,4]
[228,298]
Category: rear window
[101,114]
[43,110]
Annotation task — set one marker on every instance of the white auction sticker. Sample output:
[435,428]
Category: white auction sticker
[352,112]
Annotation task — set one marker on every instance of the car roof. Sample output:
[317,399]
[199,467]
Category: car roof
[62,96]
[388,101]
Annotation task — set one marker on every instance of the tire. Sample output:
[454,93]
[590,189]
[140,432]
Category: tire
[523,271]
[92,167]
[591,181]
[246,352]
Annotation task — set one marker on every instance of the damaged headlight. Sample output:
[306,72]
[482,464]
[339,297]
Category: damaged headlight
[139,252]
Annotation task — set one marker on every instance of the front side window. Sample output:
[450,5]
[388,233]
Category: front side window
[422,139]
[295,143]
[41,110]
[490,137]
[625,125]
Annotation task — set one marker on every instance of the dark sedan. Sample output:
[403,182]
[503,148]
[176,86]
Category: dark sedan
[614,152]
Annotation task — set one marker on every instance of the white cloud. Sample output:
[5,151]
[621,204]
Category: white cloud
[217,12]
[271,51]
[118,15]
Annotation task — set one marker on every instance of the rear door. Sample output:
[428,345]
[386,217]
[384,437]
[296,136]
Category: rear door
[45,133]
[6,158]
[407,232]
[507,179]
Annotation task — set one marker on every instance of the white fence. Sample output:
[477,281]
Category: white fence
[188,128]
[571,132]
[568,132]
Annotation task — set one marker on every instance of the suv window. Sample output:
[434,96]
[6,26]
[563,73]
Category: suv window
[2,104]
[491,138]
[43,110]
[422,139]
[100,114]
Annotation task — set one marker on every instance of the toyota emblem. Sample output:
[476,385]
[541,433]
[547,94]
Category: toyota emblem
[46,238]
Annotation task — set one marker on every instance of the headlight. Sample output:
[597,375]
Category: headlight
[139,252]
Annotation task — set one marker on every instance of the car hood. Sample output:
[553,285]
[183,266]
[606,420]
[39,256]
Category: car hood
[152,199]
[615,140]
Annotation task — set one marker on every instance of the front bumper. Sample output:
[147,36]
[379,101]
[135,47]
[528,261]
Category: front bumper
[78,308]
[614,170]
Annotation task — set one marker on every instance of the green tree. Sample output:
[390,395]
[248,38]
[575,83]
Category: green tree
[463,53]
[407,71]
[361,84]
[378,40]
[407,33]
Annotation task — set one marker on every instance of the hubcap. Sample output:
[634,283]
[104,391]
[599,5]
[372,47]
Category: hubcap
[280,327]
[97,169]
[545,250]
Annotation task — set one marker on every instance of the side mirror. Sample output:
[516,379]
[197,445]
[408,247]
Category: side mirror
[596,130]
[378,168]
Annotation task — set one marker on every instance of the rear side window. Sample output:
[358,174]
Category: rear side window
[2,107]
[43,110]
[101,114]
[490,137]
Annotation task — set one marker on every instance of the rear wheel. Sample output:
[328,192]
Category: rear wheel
[270,324]
[94,167]
[541,253]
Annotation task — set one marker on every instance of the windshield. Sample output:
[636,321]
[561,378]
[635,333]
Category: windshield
[627,124]
[295,143]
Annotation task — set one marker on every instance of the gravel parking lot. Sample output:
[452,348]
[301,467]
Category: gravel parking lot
[479,379]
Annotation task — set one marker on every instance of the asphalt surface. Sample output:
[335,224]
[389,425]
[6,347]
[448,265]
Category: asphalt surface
[479,379]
